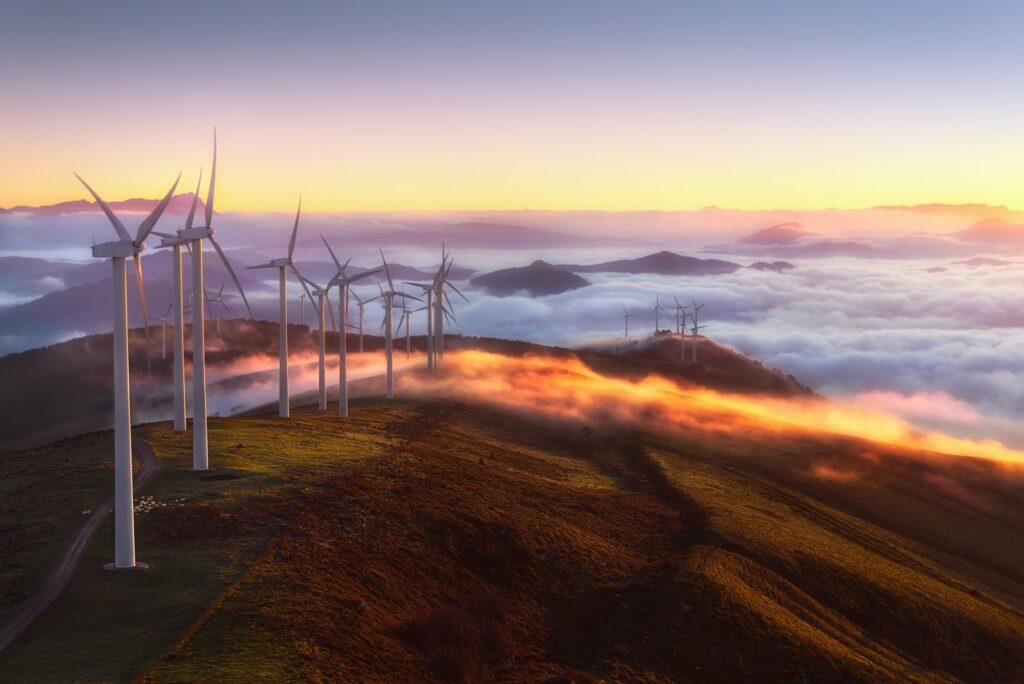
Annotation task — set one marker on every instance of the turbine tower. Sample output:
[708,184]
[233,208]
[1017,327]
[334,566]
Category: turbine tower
[343,281]
[389,301]
[302,308]
[625,317]
[428,290]
[283,265]
[697,327]
[196,235]
[117,252]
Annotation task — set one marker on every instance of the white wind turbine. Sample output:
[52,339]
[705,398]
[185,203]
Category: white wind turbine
[389,300]
[681,327]
[163,331]
[302,308]
[430,290]
[117,252]
[362,306]
[697,327]
[344,282]
[195,235]
[625,317]
[283,265]
[658,309]
[217,299]
[443,309]
[319,305]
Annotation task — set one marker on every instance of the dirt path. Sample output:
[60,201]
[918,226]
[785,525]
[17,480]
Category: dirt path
[65,566]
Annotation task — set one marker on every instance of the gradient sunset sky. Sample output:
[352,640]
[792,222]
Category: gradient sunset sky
[517,105]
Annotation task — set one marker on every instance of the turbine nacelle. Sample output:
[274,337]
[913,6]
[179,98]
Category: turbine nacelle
[196,233]
[120,248]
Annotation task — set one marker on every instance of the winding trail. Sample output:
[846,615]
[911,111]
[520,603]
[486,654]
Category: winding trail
[64,568]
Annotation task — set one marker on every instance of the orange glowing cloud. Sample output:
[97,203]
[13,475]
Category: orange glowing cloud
[567,388]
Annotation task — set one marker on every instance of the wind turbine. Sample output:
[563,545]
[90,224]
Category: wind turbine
[697,327]
[658,308]
[283,265]
[441,311]
[163,330]
[117,252]
[681,327]
[343,281]
[321,303]
[302,308]
[389,300]
[428,290]
[196,235]
[362,305]
[625,317]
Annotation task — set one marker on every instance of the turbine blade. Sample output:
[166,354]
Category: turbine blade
[391,285]
[154,216]
[302,281]
[249,268]
[231,272]
[213,182]
[458,292]
[195,202]
[122,232]
[328,246]
[364,274]
[407,296]
[295,230]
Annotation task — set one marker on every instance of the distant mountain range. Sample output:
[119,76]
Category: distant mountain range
[538,279]
[781,234]
[659,263]
[993,230]
[179,204]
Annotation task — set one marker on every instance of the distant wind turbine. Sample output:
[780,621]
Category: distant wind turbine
[117,252]
[217,299]
[321,304]
[443,309]
[658,309]
[625,317]
[681,327]
[344,282]
[697,327]
[283,265]
[389,302]
[163,331]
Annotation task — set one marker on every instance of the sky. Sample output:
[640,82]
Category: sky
[434,105]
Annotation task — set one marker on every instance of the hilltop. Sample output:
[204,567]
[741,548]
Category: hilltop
[538,279]
[433,540]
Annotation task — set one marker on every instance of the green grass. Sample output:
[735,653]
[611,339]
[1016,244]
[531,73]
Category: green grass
[131,619]
[43,494]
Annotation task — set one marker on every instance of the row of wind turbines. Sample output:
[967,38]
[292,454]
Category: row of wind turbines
[191,237]
[682,315]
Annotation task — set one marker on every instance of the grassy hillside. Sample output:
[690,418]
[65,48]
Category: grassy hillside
[438,542]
